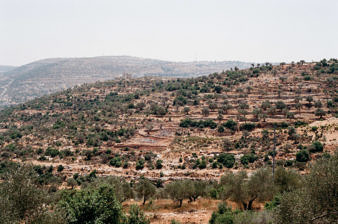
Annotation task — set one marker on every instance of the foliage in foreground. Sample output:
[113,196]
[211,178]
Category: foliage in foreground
[24,200]
[317,199]
[311,198]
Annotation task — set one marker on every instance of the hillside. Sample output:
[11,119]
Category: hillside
[6,68]
[51,75]
[180,128]
[185,150]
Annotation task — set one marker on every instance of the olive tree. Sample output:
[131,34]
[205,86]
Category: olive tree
[91,205]
[245,190]
[145,189]
[23,199]
[316,201]
[178,191]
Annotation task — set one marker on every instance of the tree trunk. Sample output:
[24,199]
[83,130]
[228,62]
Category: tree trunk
[181,201]
[250,204]
[244,205]
[144,200]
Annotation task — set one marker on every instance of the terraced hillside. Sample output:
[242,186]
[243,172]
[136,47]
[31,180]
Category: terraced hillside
[180,128]
[51,75]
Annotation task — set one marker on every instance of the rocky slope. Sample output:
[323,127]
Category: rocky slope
[181,128]
[51,75]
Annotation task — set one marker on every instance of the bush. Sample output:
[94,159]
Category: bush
[316,147]
[220,129]
[222,216]
[116,161]
[136,216]
[247,126]
[303,156]
[248,158]
[157,110]
[307,78]
[230,124]
[60,168]
[186,123]
[52,152]
[140,164]
[280,105]
[227,145]
[91,205]
[289,162]
[159,164]
[228,160]
[203,164]
[205,112]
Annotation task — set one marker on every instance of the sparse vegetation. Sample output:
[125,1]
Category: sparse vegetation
[180,135]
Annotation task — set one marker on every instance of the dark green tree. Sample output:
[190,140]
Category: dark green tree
[91,205]
[145,189]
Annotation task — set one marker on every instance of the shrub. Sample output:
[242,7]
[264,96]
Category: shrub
[60,168]
[202,164]
[230,124]
[67,152]
[300,123]
[173,221]
[136,216]
[247,126]
[186,123]
[140,164]
[227,144]
[218,89]
[205,112]
[220,129]
[157,110]
[91,205]
[52,152]
[159,164]
[116,161]
[222,216]
[289,162]
[303,156]
[228,160]
[280,105]
[307,77]
[248,158]
[316,147]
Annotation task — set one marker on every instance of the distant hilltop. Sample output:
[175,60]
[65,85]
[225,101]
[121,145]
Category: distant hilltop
[6,68]
[19,84]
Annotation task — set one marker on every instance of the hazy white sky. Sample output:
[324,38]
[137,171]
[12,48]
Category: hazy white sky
[180,30]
